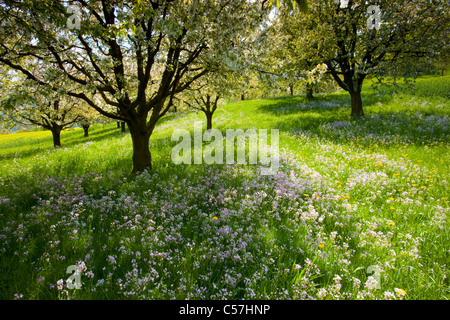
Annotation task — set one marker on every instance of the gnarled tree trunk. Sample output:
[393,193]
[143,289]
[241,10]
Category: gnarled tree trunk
[86,130]
[357,106]
[140,136]
[56,133]
[309,91]
[209,116]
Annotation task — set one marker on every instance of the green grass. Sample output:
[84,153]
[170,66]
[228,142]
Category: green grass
[350,194]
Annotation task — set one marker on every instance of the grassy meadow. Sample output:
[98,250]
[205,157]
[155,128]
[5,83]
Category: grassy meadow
[351,196]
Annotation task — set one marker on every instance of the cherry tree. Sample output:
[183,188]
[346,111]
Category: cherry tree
[127,60]
[25,104]
[357,38]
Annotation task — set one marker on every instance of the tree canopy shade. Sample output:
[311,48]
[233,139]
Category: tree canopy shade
[125,59]
[345,40]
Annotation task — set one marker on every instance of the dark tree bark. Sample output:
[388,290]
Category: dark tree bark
[86,130]
[142,158]
[242,97]
[291,89]
[118,124]
[209,116]
[123,126]
[357,106]
[309,91]
[208,108]
[56,133]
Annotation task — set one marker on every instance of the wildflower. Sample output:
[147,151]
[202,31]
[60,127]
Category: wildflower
[60,284]
[371,283]
[322,293]
[215,218]
[400,292]
[391,224]
[321,246]
[18,296]
[389,295]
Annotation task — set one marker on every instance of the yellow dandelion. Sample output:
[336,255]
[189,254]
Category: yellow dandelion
[391,224]
[392,208]
[215,218]
[400,291]
[321,246]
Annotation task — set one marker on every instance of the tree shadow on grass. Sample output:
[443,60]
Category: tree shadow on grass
[329,118]
[68,140]
[322,103]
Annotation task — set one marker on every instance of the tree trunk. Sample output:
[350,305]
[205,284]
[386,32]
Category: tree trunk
[309,91]
[209,121]
[142,159]
[291,89]
[122,124]
[86,130]
[357,107]
[56,133]
[118,124]
[242,97]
